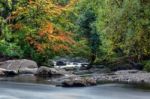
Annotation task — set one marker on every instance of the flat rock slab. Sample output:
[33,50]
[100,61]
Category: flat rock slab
[127,76]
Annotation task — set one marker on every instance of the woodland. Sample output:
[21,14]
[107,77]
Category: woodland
[102,31]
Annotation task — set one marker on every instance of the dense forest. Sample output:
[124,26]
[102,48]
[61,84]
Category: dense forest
[103,31]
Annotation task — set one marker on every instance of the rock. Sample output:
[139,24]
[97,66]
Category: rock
[70,68]
[60,63]
[19,65]
[125,76]
[4,72]
[79,82]
[49,72]
[124,72]
[28,71]
[10,73]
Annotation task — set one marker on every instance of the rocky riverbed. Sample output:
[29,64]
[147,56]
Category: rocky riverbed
[28,71]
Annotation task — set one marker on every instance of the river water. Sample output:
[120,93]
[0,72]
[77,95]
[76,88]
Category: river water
[12,90]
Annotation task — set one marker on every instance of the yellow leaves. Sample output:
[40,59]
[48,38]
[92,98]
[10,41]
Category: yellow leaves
[50,8]
[51,38]
[19,11]
[44,34]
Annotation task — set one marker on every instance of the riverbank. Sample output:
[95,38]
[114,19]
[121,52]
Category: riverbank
[123,76]
[28,71]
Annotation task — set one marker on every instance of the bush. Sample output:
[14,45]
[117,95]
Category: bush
[10,49]
[147,65]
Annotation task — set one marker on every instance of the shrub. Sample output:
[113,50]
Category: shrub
[147,65]
[10,49]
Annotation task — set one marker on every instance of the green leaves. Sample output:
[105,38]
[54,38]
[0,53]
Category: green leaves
[125,26]
[10,49]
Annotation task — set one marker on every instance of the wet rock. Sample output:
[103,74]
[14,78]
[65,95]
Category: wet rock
[79,82]
[4,72]
[10,73]
[49,72]
[60,63]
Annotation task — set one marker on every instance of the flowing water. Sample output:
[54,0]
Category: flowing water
[12,90]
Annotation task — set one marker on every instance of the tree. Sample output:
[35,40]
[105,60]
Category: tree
[33,28]
[124,27]
[88,29]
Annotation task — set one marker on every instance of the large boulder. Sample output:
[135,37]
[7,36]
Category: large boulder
[50,72]
[19,66]
[79,82]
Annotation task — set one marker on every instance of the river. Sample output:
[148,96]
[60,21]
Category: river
[13,90]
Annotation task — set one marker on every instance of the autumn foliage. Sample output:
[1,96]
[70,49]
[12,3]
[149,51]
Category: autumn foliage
[46,34]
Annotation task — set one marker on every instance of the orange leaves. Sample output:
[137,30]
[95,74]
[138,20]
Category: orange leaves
[46,29]
[55,35]
[39,47]
[65,37]
[30,39]
[42,34]
[51,38]
[61,47]
[17,26]
[30,1]
[55,39]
